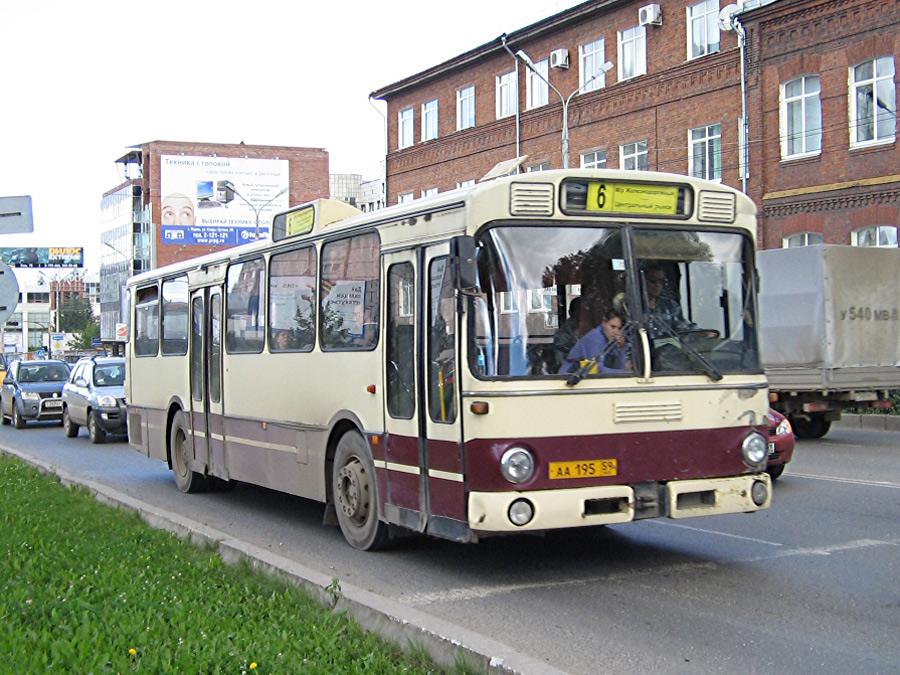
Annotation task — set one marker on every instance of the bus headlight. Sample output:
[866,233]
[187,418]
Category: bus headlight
[517,465]
[755,450]
[521,512]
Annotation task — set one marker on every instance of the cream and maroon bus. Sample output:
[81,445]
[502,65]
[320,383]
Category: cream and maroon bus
[430,367]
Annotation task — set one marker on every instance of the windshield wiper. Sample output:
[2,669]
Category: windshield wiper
[708,368]
[588,366]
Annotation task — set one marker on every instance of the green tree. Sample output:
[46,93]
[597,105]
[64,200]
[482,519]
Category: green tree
[75,315]
[82,340]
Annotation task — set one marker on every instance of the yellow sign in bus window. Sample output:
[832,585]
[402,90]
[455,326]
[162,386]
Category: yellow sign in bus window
[299,222]
[635,198]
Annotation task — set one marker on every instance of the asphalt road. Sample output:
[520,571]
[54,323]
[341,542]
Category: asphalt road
[811,585]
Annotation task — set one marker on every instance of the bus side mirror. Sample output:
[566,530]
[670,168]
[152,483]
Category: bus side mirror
[462,251]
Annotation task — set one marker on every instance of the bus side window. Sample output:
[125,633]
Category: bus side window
[401,387]
[292,300]
[349,293]
[175,316]
[442,375]
[146,320]
[245,307]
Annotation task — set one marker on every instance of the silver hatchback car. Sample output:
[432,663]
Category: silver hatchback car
[94,397]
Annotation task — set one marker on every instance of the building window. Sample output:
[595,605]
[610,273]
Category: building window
[591,58]
[703,28]
[634,156]
[632,52]
[801,117]
[466,183]
[507,95]
[873,104]
[405,198]
[430,120]
[876,235]
[537,93]
[543,166]
[465,108]
[594,160]
[705,158]
[430,192]
[802,239]
[405,129]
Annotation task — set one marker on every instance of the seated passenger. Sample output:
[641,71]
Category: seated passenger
[605,344]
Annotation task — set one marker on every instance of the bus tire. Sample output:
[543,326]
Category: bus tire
[180,455]
[356,496]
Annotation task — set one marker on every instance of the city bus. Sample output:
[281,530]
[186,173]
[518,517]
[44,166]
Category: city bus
[412,368]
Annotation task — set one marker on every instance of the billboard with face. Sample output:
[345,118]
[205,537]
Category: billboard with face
[219,200]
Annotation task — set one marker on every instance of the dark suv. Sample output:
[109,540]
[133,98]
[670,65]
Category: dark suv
[94,397]
[31,391]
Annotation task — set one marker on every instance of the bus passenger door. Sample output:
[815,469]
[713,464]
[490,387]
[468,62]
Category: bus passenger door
[423,460]
[206,380]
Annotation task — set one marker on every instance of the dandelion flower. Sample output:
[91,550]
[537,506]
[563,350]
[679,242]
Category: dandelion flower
[253,666]
[132,651]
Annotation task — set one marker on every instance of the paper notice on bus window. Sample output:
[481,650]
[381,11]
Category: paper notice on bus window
[299,222]
[345,299]
[636,198]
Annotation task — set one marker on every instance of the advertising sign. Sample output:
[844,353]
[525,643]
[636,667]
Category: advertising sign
[217,200]
[43,257]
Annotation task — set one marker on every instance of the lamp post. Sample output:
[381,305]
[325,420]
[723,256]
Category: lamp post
[524,58]
[54,305]
[256,211]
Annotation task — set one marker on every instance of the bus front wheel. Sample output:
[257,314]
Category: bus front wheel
[355,494]
[180,451]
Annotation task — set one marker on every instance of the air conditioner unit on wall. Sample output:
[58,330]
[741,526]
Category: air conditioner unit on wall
[559,58]
[650,15]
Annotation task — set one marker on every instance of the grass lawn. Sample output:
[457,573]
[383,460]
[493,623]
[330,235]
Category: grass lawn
[87,588]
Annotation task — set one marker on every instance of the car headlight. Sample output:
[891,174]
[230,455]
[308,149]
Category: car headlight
[517,465]
[755,451]
[784,428]
[30,396]
[107,401]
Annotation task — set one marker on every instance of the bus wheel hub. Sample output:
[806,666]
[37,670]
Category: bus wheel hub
[352,489]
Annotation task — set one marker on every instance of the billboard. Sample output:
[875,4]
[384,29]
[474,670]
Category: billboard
[33,256]
[216,200]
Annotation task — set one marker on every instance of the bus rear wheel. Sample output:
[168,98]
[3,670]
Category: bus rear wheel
[355,494]
[180,453]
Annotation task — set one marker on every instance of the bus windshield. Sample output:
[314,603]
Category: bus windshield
[562,299]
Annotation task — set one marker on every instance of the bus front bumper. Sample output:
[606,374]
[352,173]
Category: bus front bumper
[499,512]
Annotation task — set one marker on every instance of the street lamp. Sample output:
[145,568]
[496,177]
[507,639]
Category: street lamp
[256,210]
[605,68]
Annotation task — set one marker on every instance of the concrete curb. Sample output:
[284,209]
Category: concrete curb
[446,643]
[870,422]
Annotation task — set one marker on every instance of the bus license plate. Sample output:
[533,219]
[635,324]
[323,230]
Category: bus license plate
[589,469]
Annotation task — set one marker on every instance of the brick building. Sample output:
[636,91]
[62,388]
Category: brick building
[673,100]
[822,101]
[181,200]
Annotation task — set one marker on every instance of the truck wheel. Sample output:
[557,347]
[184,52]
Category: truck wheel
[180,451]
[355,494]
[814,427]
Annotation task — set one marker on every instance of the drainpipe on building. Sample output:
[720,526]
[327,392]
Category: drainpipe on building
[729,21]
[518,137]
[384,160]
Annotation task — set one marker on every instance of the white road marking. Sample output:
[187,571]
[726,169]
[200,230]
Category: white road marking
[852,481]
[720,534]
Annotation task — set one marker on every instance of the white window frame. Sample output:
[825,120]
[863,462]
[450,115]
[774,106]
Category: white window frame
[884,90]
[543,166]
[595,159]
[429,192]
[703,17]
[405,128]
[541,300]
[802,239]
[537,93]
[708,140]
[465,108]
[633,153]
[430,120]
[509,302]
[507,94]
[466,183]
[632,52]
[807,105]
[591,59]
[406,197]
[885,236]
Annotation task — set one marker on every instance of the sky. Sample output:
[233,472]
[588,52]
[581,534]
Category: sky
[83,81]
